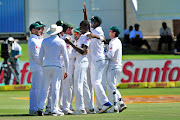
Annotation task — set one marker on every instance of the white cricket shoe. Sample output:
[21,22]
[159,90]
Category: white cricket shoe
[116,109]
[105,107]
[122,107]
[80,112]
[68,112]
[90,111]
[57,113]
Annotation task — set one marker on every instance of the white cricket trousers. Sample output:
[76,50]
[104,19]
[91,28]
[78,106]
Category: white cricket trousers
[88,92]
[37,77]
[113,76]
[51,76]
[80,75]
[68,89]
[97,68]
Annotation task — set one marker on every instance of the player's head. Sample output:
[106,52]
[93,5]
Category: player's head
[136,26]
[164,25]
[130,28]
[84,26]
[114,32]
[42,26]
[95,21]
[35,29]
[68,28]
[77,34]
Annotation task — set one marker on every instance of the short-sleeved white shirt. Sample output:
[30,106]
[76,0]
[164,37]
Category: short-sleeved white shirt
[97,46]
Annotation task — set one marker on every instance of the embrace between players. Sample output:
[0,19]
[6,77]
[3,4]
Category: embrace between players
[74,69]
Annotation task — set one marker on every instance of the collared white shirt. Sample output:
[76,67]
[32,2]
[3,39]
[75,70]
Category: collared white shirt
[115,52]
[97,46]
[82,40]
[34,45]
[165,32]
[51,50]
[135,33]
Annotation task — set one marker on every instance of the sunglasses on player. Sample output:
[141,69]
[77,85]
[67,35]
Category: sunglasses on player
[76,33]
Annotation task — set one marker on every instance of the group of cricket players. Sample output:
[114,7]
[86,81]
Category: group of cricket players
[81,67]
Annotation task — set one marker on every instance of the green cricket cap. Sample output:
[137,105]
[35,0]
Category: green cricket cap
[40,23]
[59,23]
[77,30]
[97,19]
[115,29]
[34,25]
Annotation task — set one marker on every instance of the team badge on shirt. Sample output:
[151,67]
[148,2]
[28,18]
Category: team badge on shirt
[36,47]
[110,48]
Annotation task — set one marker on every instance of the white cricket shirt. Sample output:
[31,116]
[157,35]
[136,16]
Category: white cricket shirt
[34,46]
[115,52]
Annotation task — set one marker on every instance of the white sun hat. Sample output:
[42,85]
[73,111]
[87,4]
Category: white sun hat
[54,29]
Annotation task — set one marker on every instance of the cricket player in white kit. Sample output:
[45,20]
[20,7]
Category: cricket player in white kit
[34,45]
[81,65]
[98,61]
[115,67]
[51,50]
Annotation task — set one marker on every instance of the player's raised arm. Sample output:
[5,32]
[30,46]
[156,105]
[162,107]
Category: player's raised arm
[85,12]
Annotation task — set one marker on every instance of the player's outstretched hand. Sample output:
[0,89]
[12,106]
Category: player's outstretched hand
[65,75]
[84,9]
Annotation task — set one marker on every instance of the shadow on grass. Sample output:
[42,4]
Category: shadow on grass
[13,115]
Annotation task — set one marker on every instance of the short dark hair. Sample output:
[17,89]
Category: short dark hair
[31,27]
[85,23]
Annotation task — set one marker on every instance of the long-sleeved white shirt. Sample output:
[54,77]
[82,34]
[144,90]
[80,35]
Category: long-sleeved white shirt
[51,50]
[115,52]
[34,45]
[97,46]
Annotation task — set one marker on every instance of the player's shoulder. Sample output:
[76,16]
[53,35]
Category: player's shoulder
[98,31]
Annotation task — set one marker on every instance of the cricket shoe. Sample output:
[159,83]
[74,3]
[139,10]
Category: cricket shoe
[105,107]
[90,111]
[122,107]
[68,112]
[116,110]
[40,112]
[48,111]
[80,112]
[58,113]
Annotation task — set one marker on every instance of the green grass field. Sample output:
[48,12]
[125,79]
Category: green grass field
[15,109]
[128,54]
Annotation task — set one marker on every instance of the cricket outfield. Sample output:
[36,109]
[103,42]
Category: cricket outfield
[143,104]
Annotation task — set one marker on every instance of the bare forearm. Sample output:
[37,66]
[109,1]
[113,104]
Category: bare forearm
[79,50]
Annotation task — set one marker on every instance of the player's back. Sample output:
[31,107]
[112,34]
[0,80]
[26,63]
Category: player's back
[53,47]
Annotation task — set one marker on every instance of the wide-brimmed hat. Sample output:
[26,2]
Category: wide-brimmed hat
[54,29]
